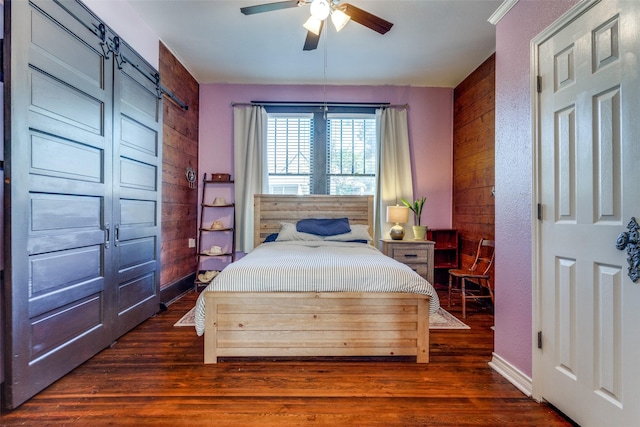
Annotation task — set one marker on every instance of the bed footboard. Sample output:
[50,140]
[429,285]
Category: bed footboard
[242,324]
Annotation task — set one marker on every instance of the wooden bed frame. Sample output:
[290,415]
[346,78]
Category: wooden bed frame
[299,324]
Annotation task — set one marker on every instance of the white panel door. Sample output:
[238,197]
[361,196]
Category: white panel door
[589,188]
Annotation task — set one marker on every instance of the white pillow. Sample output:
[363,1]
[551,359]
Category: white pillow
[288,232]
[358,232]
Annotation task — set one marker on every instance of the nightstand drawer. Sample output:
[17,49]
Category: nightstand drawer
[416,254]
[408,254]
[421,268]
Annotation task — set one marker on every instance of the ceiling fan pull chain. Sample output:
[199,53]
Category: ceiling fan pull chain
[324,74]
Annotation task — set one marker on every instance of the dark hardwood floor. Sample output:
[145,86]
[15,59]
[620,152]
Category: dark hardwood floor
[154,375]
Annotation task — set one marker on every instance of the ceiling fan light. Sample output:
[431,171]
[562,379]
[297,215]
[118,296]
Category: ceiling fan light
[320,9]
[339,19]
[314,25]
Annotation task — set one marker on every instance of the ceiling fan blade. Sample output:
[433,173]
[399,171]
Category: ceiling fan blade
[268,7]
[365,18]
[311,42]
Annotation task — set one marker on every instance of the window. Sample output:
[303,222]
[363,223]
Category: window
[351,154]
[289,153]
[316,153]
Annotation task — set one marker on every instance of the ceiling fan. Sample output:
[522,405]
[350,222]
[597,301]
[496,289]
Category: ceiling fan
[320,11]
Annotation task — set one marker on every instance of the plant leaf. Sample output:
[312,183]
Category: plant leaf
[416,207]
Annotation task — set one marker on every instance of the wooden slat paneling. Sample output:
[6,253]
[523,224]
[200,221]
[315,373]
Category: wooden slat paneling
[474,159]
[180,150]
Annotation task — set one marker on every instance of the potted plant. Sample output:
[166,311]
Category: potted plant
[419,230]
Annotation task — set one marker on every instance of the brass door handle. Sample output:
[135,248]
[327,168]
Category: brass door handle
[630,240]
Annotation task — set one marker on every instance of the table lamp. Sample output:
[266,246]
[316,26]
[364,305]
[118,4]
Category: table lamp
[398,215]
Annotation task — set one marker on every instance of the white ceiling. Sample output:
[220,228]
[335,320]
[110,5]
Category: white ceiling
[434,43]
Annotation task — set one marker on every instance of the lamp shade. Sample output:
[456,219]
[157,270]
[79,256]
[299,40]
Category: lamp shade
[339,19]
[397,214]
[314,25]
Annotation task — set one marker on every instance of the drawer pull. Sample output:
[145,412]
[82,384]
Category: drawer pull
[411,255]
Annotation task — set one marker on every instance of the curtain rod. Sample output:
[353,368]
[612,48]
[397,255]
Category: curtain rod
[318,104]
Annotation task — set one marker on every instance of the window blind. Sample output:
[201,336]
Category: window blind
[290,153]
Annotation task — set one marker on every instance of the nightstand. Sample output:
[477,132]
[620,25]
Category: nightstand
[417,254]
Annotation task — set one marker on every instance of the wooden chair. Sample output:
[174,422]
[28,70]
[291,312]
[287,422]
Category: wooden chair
[478,274]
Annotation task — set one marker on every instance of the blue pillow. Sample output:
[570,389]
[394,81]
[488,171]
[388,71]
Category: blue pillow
[324,226]
[271,238]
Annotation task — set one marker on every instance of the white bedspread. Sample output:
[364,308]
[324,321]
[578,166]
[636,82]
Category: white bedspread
[318,266]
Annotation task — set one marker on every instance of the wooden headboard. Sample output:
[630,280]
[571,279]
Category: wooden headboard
[270,209]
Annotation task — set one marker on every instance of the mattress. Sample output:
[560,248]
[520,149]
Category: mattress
[316,266]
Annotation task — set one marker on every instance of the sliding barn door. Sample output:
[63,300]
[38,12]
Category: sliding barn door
[58,178]
[136,191]
[82,192]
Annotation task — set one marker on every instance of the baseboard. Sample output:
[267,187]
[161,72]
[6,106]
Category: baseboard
[175,290]
[515,376]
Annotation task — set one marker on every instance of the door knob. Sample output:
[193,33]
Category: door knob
[630,240]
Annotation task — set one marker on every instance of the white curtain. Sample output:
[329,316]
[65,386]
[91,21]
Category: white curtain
[394,167]
[249,142]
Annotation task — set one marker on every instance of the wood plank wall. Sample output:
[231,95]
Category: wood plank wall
[474,159]
[180,150]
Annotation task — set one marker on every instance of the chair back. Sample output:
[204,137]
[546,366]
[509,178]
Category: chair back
[484,257]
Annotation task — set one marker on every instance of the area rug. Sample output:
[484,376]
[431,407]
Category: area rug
[442,319]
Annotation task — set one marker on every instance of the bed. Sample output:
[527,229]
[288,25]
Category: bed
[343,297]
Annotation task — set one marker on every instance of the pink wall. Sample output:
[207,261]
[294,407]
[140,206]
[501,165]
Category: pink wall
[513,335]
[430,130]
